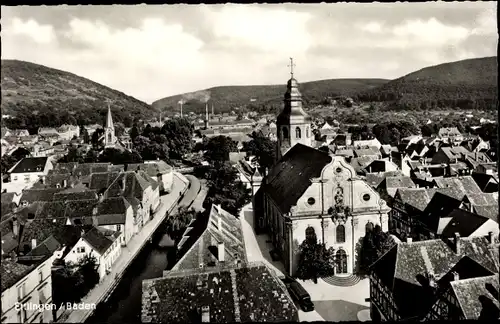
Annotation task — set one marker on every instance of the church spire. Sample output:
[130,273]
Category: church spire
[109,119]
[291,67]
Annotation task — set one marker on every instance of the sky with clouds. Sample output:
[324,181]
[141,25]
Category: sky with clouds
[150,52]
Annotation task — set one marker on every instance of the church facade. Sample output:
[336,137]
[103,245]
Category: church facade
[309,190]
[109,138]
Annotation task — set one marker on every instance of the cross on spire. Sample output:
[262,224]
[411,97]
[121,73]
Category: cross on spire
[291,65]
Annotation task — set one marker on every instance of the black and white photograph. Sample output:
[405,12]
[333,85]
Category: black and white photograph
[221,163]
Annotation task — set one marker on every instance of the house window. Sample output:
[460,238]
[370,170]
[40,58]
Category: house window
[311,201]
[80,249]
[340,234]
[27,178]
[307,132]
[40,275]
[15,178]
[118,227]
[21,290]
[297,132]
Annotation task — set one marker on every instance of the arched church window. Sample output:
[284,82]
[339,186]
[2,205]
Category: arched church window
[368,227]
[341,234]
[284,132]
[307,132]
[297,132]
[109,137]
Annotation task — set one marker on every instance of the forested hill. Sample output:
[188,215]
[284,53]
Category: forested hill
[254,97]
[38,95]
[467,84]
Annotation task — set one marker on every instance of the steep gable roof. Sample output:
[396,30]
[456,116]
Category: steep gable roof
[98,239]
[30,164]
[291,176]
[439,206]
[463,222]
[471,294]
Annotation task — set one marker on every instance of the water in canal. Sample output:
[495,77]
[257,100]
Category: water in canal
[124,305]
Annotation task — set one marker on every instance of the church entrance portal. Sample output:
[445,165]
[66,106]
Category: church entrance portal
[341,262]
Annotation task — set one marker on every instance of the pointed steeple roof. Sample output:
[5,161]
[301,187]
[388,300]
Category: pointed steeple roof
[109,119]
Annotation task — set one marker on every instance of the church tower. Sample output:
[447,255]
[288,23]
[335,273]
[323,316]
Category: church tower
[109,130]
[293,123]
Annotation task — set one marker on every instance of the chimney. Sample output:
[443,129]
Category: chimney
[205,314]
[33,244]
[221,251]
[456,276]
[206,111]
[94,210]
[432,279]
[409,240]
[457,243]
[82,232]
[491,238]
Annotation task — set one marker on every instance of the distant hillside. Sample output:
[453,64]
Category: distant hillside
[254,97]
[39,95]
[467,84]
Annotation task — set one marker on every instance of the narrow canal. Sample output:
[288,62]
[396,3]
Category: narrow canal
[124,305]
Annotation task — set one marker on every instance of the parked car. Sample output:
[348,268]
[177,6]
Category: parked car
[301,296]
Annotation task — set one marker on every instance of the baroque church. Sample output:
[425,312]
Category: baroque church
[308,190]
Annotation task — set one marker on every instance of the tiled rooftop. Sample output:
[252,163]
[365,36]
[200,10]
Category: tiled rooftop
[471,294]
[231,294]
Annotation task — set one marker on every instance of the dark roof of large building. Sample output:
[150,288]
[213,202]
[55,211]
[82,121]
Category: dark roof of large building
[472,295]
[439,206]
[482,199]
[151,168]
[463,222]
[417,198]
[30,164]
[255,290]
[404,269]
[399,182]
[466,184]
[99,239]
[102,180]
[291,176]
[128,184]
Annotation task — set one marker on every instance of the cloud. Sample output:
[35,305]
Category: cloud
[155,51]
[41,34]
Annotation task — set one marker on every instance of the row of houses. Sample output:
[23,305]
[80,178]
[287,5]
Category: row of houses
[74,210]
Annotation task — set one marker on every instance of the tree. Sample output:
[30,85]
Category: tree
[74,155]
[395,136]
[134,132]
[225,188]
[263,148]
[382,133]
[119,129]
[427,130]
[8,161]
[92,156]
[175,225]
[20,153]
[179,132]
[314,259]
[116,156]
[218,149]
[84,134]
[375,244]
[96,136]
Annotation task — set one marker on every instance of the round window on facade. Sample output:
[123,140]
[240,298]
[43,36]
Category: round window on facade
[366,197]
[339,170]
[311,201]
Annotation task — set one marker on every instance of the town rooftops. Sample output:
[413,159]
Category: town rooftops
[472,294]
[490,211]
[216,295]
[462,222]
[32,195]
[30,164]
[291,176]
[466,184]
[100,239]
[12,272]
[200,242]
[406,268]
[152,168]
[440,205]
[448,131]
